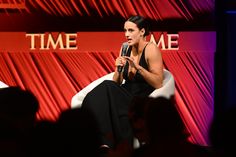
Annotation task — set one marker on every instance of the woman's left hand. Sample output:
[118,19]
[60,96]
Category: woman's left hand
[131,62]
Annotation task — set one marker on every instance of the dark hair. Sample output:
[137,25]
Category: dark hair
[163,120]
[16,101]
[141,23]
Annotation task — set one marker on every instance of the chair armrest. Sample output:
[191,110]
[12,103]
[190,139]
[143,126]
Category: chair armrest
[3,85]
[168,88]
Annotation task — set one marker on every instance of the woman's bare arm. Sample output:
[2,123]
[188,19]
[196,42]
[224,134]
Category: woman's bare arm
[154,74]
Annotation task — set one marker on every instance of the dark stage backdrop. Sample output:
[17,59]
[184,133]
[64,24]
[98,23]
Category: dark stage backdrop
[55,48]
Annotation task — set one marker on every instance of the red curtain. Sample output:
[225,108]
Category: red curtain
[194,77]
[99,15]
[55,76]
[154,9]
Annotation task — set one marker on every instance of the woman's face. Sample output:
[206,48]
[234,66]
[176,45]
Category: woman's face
[132,33]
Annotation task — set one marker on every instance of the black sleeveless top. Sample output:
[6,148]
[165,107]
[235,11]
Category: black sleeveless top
[137,85]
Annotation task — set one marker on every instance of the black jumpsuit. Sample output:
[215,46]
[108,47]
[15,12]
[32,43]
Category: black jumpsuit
[109,102]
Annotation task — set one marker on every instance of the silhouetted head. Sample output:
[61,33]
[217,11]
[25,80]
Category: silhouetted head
[223,132]
[18,107]
[164,121]
[78,132]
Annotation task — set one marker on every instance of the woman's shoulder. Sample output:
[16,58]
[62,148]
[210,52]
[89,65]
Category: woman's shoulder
[151,44]
[152,48]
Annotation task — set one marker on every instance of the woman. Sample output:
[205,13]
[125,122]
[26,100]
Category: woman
[142,72]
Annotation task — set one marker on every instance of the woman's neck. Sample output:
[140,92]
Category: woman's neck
[138,48]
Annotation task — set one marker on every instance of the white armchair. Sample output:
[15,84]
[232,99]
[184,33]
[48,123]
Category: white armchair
[167,90]
[3,85]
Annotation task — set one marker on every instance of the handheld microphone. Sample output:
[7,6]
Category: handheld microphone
[123,53]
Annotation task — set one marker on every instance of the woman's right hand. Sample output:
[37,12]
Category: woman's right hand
[118,77]
[120,61]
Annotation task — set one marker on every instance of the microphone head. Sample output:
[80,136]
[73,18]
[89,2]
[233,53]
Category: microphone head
[123,53]
[124,44]
[124,48]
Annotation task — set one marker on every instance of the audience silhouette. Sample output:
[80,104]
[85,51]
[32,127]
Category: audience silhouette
[18,110]
[161,129]
[44,139]
[156,123]
[74,133]
[78,133]
[222,133]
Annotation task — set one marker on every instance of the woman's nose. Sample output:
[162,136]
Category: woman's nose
[126,34]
